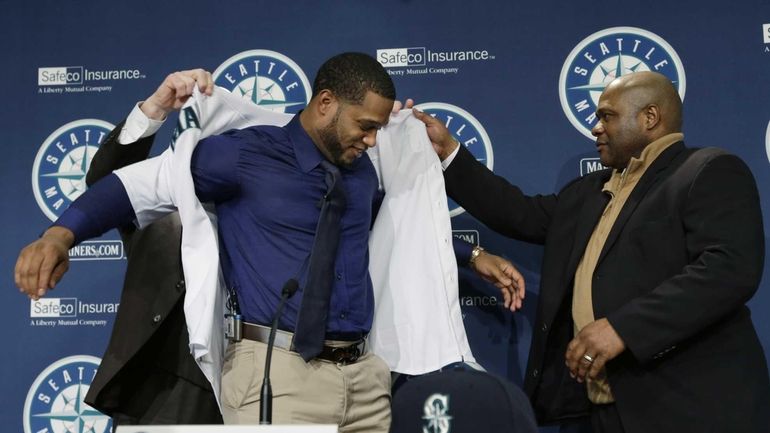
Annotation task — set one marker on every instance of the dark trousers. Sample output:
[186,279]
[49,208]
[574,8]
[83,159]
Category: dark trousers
[605,419]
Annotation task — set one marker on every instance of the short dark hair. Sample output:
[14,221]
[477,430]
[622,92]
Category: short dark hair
[350,75]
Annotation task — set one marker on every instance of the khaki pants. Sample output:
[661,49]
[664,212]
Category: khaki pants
[356,397]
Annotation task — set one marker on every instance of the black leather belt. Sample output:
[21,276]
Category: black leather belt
[340,352]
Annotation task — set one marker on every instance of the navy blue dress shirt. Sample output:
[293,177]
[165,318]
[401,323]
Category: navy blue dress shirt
[266,183]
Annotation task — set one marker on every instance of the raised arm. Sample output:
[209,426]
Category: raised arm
[131,140]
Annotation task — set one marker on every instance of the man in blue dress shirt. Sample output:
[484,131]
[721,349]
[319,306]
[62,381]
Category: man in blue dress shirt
[266,183]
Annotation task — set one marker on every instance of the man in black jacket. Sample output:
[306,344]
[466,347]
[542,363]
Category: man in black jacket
[647,268]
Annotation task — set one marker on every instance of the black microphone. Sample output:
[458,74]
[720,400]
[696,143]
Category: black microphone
[266,400]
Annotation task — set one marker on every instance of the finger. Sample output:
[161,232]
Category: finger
[189,86]
[209,84]
[582,368]
[519,302]
[507,294]
[176,83]
[409,103]
[47,265]
[507,269]
[571,356]
[17,272]
[167,85]
[517,278]
[58,273]
[183,89]
[423,117]
[597,366]
[519,282]
[171,86]
[397,105]
[182,84]
[203,80]
[29,272]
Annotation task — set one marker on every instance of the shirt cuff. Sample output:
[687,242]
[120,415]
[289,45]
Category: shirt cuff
[445,163]
[105,205]
[138,126]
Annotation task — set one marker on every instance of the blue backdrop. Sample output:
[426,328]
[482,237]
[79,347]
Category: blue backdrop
[516,82]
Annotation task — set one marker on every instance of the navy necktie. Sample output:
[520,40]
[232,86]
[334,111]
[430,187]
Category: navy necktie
[310,331]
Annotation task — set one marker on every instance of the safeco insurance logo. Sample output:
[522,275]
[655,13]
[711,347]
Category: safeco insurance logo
[53,312]
[53,307]
[60,80]
[399,57]
[60,76]
[425,61]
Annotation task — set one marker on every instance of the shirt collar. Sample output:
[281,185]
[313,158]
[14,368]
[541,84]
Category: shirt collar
[307,154]
[637,166]
[652,151]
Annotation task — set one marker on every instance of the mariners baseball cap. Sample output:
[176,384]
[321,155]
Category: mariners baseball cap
[461,401]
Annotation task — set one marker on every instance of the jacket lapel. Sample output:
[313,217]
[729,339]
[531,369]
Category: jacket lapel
[640,190]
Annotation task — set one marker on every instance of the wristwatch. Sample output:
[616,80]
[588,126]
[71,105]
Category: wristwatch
[475,254]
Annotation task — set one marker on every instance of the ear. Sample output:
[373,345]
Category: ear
[326,103]
[652,117]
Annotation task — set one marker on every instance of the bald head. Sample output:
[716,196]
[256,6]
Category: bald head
[647,88]
[634,111]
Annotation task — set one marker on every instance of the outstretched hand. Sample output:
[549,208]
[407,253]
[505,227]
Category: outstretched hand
[42,263]
[443,142]
[175,90]
[504,276]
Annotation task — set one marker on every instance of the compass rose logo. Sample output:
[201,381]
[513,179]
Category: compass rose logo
[436,416]
[55,401]
[467,130]
[604,56]
[61,164]
[266,78]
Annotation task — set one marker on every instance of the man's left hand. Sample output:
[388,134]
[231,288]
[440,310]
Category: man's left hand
[591,348]
[443,142]
[504,275]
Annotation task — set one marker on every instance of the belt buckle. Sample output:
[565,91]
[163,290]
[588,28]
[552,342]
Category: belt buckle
[346,355]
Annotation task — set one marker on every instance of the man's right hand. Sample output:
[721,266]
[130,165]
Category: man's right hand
[443,142]
[42,263]
[175,90]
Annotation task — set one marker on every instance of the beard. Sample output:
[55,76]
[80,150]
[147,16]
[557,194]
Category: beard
[330,138]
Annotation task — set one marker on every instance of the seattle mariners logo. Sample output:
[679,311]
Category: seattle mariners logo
[467,130]
[436,418]
[604,56]
[55,404]
[61,164]
[266,78]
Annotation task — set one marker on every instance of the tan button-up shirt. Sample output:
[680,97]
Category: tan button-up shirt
[619,187]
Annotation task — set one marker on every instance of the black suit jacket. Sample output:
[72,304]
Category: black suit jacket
[149,332]
[684,256]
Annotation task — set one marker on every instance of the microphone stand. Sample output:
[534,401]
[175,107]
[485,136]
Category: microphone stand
[266,399]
